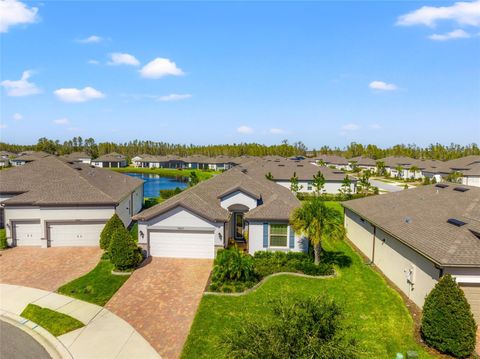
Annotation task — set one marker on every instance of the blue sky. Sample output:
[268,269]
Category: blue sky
[325,73]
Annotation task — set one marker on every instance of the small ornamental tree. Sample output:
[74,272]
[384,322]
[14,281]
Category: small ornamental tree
[111,226]
[124,253]
[319,182]
[448,324]
[295,187]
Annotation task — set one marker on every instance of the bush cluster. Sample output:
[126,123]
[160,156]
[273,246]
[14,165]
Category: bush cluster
[113,224]
[3,239]
[124,253]
[304,328]
[236,271]
[167,193]
[448,324]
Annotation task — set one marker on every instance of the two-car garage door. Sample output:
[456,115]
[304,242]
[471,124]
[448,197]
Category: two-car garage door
[75,235]
[182,243]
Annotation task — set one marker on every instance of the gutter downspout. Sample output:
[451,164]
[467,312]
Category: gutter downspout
[373,246]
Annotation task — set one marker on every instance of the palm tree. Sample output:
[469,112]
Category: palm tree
[316,222]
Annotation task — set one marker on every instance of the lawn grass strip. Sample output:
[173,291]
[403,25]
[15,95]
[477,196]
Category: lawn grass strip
[256,286]
[54,322]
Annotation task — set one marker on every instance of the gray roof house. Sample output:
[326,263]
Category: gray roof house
[416,236]
[54,202]
[110,160]
[233,206]
[27,156]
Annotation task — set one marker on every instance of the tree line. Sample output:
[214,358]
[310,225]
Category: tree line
[285,149]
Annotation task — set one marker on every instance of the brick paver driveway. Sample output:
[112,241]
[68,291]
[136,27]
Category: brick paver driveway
[46,268]
[160,301]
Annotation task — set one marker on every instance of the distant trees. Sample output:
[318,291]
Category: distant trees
[284,149]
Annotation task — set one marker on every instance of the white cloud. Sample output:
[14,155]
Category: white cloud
[375,126]
[350,127]
[174,97]
[455,34]
[119,58]
[21,87]
[277,131]
[75,129]
[463,13]
[160,67]
[17,116]
[78,95]
[13,12]
[245,129]
[61,121]
[380,85]
[93,62]
[93,39]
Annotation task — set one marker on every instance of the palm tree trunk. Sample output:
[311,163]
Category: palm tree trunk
[317,249]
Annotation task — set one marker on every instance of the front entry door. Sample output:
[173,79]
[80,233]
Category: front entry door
[238,225]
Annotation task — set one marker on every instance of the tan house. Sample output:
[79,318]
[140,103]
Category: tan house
[416,236]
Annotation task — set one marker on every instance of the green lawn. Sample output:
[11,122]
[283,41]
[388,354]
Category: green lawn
[168,172]
[97,286]
[55,322]
[374,313]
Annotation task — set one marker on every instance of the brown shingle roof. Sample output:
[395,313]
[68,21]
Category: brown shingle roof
[203,199]
[53,181]
[427,231]
[111,157]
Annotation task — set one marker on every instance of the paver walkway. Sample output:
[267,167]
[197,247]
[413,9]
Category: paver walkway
[46,268]
[104,335]
[160,301]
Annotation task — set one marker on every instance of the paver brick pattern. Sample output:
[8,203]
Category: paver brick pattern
[160,301]
[46,268]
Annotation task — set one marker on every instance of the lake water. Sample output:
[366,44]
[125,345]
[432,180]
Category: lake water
[154,183]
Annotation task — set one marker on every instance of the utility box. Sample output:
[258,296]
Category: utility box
[412,354]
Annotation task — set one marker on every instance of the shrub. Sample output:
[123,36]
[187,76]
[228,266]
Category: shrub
[124,253]
[447,322]
[113,224]
[167,193]
[304,328]
[232,265]
[3,239]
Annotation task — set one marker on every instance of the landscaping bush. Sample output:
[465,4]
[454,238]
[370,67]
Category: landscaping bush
[167,193]
[448,324]
[3,239]
[306,328]
[124,253]
[232,264]
[113,224]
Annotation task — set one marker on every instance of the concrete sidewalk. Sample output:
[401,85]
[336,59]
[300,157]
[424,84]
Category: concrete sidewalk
[105,335]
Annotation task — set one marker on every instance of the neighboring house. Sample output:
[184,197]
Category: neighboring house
[283,170]
[111,160]
[231,206]
[364,163]
[51,202]
[416,236]
[471,176]
[338,162]
[5,157]
[79,157]
[26,157]
[467,166]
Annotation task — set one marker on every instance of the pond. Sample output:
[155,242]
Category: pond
[154,183]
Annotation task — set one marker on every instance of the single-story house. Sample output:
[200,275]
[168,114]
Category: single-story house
[233,206]
[5,157]
[365,163]
[110,160]
[283,170]
[51,202]
[414,237]
[338,162]
[27,156]
[80,157]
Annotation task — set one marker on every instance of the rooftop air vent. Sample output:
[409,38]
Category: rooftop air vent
[408,220]
[441,185]
[456,222]
[461,189]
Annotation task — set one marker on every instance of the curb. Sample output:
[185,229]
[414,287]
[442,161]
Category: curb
[48,341]
[256,286]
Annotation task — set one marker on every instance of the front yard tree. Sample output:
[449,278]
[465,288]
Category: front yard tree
[295,187]
[448,324]
[193,179]
[113,224]
[414,169]
[399,170]
[316,221]
[346,188]
[318,182]
[380,168]
[124,252]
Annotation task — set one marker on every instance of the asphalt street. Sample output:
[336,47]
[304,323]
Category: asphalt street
[16,344]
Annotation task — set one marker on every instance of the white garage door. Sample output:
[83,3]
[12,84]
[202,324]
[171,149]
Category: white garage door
[75,235]
[182,244]
[27,234]
[472,293]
